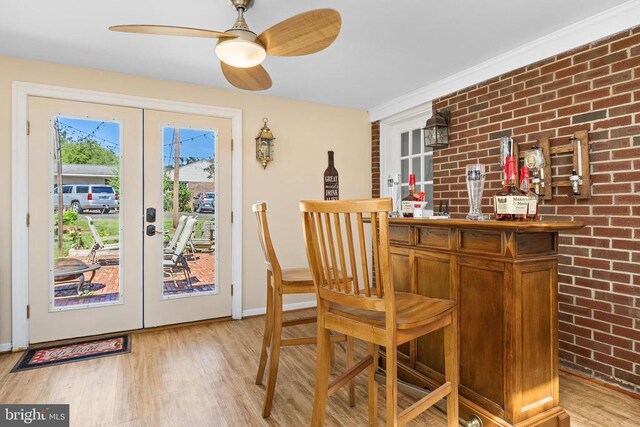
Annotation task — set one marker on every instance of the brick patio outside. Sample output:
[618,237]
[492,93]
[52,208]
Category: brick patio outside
[106,284]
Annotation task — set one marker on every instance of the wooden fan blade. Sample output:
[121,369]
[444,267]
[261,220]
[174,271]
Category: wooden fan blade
[254,78]
[303,34]
[170,30]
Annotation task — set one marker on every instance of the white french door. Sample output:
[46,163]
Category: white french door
[403,154]
[93,171]
[60,306]
[191,281]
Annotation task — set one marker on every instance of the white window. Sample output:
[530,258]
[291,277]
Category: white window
[402,152]
[418,160]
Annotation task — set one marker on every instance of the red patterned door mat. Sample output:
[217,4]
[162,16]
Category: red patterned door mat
[72,352]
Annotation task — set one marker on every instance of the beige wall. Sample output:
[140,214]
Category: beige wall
[304,131]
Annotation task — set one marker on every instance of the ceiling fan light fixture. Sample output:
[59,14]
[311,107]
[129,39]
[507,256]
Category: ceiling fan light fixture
[240,53]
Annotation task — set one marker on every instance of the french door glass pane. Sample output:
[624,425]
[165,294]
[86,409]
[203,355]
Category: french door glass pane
[404,170]
[404,144]
[86,165]
[416,159]
[416,142]
[416,169]
[189,220]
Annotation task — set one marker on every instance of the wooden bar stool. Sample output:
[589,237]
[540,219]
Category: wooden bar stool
[375,313]
[279,282]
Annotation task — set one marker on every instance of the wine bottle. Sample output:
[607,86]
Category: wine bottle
[510,203]
[407,205]
[331,190]
[525,186]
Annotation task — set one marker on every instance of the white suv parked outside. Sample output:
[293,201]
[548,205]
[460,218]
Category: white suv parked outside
[81,197]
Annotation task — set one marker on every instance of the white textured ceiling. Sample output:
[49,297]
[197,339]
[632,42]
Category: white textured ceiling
[386,48]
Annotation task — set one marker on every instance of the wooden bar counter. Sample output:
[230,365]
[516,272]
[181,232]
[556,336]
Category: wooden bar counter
[504,276]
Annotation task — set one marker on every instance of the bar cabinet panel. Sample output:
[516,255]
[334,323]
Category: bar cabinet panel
[504,277]
[433,279]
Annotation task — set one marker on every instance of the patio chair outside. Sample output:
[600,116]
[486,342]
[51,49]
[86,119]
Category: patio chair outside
[178,261]
[98,242]
[206,241]
[171,246]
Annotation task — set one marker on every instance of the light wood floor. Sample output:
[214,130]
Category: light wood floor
[203,375]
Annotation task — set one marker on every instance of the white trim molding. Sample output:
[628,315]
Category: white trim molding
[596,27]
[20,175]
[5,346]
[285,307]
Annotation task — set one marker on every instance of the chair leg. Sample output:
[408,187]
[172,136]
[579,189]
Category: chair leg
[188,278]
[373,386]
[392,382]
[332,356]
[451,368]
[268,330]
[274,356]
[322,372]
[352,383]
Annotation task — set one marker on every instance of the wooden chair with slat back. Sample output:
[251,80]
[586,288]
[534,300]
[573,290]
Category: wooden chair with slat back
[279,282]
[370,309]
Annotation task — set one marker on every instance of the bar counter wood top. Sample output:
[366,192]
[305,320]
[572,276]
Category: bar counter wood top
[508,225]
[504,276]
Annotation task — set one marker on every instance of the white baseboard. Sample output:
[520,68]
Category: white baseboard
[286,307]
[5,346]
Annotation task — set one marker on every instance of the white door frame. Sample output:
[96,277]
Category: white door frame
[389,153]
[20,176]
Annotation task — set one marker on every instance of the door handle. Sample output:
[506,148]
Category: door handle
[151,230]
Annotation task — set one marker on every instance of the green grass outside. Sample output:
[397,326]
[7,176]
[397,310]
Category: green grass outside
[105,227]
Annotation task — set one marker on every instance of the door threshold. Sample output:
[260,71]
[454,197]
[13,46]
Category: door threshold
[129,331]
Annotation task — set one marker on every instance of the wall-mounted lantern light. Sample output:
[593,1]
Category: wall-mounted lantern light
[264,145]
[436,130]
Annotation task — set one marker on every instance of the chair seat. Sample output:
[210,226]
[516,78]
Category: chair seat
[297,276]
[168,263]
[412,311]
[110,247]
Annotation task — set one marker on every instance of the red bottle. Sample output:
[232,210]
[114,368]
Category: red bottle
[407,205]
[510,203]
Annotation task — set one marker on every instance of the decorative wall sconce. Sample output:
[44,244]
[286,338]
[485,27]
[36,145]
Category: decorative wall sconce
[436,130]
[264,145]
[535,161]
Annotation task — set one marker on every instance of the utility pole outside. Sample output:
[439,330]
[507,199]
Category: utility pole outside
[58,154]
[176,176]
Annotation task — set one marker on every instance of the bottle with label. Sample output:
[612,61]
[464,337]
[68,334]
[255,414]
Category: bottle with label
[407,202]
[331,190]
[532,207]
[510,203]
[575,183]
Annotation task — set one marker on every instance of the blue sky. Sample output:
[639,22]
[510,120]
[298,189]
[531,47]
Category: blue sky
[194,143]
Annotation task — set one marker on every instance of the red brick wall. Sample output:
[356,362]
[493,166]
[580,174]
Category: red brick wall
[595,87]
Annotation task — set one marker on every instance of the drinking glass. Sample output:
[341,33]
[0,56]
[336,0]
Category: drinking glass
[475,186]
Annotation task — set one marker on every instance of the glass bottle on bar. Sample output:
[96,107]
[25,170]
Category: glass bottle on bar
[510,203]
[407,202]
[525,185]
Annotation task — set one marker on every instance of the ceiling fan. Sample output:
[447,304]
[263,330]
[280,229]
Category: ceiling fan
[241,51]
